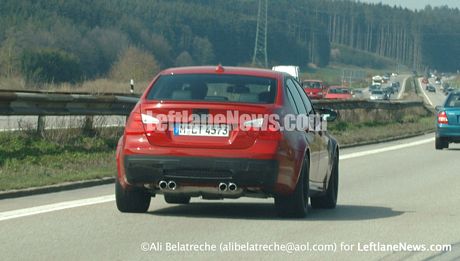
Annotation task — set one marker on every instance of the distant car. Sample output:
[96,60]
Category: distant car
[338,93]
[213,156]
[378,95]
[448,121]
[395,86]
[445,85]
[315,89]
[389,90]
[430,88]
[449,90]
[357,93]
[374,87]
[377,80]
[386,77]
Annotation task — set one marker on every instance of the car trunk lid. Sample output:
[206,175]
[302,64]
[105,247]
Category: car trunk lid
[453,115]
[200,124]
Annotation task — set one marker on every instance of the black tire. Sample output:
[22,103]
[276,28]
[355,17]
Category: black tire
[134,200]
[176,199]
[440,143]
[329,200]
[296,204]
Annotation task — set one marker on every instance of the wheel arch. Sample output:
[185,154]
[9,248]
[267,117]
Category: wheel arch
[305,154]
[334,150]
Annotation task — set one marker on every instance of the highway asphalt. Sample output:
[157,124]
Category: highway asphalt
[402,78]
[432,98]
[402,192]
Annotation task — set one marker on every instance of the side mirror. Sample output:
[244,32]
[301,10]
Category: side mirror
[328,114]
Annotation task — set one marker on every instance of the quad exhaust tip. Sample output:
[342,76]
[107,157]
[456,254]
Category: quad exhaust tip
[227,187]
[162,184]
[232,187]
[172,185]
[223,187]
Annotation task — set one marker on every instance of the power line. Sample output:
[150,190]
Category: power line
[260,48]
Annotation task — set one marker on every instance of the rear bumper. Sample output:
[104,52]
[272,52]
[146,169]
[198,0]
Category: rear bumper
[448,132]
[315,95]
[196,171]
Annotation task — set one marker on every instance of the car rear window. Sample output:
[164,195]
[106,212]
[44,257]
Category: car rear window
[339,91]
[313,85]
[453,100]
[214,87]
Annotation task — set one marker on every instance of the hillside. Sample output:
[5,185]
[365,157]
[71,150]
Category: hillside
[87,39]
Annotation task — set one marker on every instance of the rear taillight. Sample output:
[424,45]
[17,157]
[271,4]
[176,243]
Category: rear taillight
[261,130]
[134,123]
[442,118]
[254,124]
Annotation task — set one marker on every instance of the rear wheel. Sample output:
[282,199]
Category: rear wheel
[132,200]
[329,200]
[441,143]
[176,199]
[296,204]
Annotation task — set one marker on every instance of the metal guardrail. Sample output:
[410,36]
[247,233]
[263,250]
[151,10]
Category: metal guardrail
[85,104]
[366,104]
[41,104]
[82,93]
[60,104]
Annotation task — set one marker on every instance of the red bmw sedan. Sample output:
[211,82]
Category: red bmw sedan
[227,132]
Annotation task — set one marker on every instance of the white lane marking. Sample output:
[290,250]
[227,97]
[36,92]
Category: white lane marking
[13,214]
[54,207]
[424,93]
[403,88]
[385,149]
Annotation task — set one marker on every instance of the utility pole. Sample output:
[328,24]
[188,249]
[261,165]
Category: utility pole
[260,48]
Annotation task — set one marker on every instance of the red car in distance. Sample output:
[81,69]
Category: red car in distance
[338,93]
[216,157]
[315,89]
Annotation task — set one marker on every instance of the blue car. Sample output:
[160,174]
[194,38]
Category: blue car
[448,121]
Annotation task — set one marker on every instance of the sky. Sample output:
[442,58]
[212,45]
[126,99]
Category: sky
[417,4]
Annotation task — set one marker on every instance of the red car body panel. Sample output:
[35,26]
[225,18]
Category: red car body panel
[334,93]
[314,93]
[284,148]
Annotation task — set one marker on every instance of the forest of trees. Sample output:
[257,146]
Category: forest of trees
[74,40]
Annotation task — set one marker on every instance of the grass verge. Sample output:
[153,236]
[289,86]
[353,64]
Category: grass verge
[349,134]
[102,85]
[27,160]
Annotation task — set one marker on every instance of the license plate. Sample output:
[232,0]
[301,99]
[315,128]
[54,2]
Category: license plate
[220,130]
